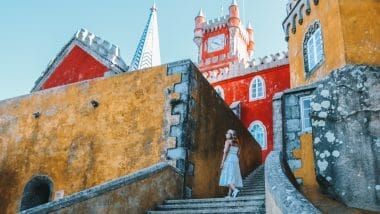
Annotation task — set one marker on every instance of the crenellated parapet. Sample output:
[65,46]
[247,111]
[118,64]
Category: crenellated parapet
[242,68]
[102,47]
[296,10]
[216,24]
[103,51]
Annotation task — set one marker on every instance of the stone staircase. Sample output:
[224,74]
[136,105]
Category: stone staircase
[251,199]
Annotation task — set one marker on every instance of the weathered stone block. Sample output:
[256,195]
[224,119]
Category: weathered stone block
[345,118]
[293,125]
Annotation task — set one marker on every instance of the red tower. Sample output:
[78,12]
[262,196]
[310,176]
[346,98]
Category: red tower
[225,48]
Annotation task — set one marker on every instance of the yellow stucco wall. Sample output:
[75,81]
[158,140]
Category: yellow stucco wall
[79,146]
[350,34]
[306,155]
[361,31]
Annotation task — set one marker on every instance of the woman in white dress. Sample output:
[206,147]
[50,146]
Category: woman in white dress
[230,176]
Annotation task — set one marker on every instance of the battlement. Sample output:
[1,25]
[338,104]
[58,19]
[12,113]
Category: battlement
[105,52]
[244,68]
[102,47]
[217,23]
[296,10]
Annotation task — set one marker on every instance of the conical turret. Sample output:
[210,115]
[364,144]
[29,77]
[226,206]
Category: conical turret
[251,43]
[234,20]
[199,25]
[148,50]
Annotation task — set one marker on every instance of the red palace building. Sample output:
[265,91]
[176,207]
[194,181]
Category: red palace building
[225,48]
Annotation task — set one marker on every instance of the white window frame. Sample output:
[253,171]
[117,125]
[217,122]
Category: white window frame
[313,50]
[258,122]
[302,108]
[219,89]
[259,79]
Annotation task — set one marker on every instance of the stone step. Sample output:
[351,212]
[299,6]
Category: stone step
[252,193]
[249,209]
[209,200]
[216,205]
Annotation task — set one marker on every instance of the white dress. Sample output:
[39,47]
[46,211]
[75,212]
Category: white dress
[231,169]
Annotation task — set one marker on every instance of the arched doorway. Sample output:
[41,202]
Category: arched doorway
[37,191]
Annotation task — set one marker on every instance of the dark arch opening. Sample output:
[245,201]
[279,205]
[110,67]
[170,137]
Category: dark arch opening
[37,191]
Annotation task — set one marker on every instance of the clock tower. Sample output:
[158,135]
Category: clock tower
[222,41]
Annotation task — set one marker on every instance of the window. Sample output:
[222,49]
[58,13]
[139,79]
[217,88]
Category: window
[313,48]
[257,89]
[258,131]
[305,103]
[219,90]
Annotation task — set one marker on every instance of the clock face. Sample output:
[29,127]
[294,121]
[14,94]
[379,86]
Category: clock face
[216,43]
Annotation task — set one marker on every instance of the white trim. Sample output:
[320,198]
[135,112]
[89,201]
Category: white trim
[303,128]
[259,78]
[220,89]
[265,138]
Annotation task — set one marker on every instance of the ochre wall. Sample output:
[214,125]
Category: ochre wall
[212,120]
[237,89]
[350,35]
[137,197]
[361,32]
[79,146]
[327,11]
[77,66]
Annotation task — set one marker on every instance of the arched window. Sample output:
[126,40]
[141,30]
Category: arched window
[257,88]
[258,131]
[219,90]
[36,192]
[313,48]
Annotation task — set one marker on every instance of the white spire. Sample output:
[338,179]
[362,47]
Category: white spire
[148,50]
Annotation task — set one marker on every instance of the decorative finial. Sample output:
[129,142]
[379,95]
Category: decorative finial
[201,13]
[249,26]
[234,2]
[153,8]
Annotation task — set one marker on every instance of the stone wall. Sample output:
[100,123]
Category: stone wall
[204,119]
[210,117]
[292,127]
[346,131]
[83,134]
[280,195]
[135,193]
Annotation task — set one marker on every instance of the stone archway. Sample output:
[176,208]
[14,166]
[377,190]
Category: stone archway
[36,192]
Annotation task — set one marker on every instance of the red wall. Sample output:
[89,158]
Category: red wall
[237,89]
[77,66]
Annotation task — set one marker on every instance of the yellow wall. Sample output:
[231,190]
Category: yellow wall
[306,155]
[76,145]
[361,30]
[350,35]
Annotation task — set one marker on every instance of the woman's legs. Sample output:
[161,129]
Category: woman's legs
[235,191]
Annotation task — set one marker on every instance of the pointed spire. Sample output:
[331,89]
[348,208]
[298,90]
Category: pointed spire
[201,13]
[234,2]
[249,26]
[148,49]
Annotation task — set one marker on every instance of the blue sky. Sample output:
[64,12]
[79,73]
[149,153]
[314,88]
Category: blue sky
[33,32]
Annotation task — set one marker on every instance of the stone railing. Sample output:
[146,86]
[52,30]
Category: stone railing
[255,65]
[134,193]
[296,11]
[280,194]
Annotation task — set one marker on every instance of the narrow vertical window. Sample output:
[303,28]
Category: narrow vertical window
[258,131]
[305,104]
[257,88]
[313,48]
